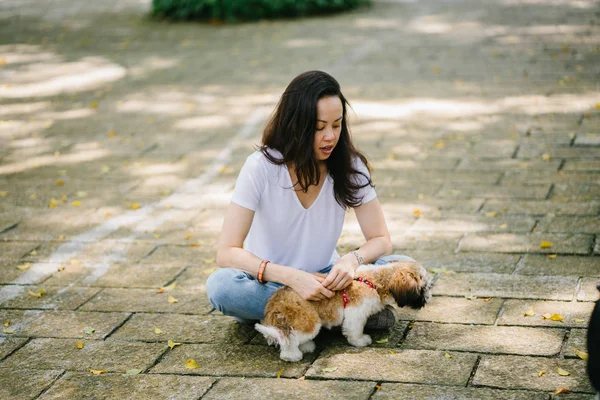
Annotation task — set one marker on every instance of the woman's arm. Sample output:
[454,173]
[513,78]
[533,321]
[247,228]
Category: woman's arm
[378,243]
[230,254]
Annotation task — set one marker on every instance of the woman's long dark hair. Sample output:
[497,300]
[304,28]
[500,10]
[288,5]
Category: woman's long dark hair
[291,131]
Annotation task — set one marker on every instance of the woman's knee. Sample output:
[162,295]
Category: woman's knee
[393,257]
[220,285]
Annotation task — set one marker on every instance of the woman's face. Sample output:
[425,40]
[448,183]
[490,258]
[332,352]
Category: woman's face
[329,126]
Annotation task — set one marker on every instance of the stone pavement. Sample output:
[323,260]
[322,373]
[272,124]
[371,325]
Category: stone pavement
[121,138]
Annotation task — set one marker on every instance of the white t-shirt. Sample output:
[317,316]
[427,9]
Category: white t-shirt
[283,231]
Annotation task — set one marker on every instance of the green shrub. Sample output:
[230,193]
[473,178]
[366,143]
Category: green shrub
[248,10]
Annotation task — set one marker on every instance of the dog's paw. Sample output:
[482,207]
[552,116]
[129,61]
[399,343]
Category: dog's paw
[361,341]
[307,347]
[291,356]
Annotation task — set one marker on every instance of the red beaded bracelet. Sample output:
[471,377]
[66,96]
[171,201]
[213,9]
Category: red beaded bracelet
[261,271]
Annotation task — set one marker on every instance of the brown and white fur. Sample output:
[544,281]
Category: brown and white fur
[292,322]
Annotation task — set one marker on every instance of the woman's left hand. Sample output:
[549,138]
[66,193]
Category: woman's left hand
[340,276]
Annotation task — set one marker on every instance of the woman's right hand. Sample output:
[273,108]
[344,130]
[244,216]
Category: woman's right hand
[309,286]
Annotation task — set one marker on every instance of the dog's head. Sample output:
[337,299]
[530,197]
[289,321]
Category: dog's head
[410,285]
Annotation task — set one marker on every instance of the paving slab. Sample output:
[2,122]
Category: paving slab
[582,165]
[111,386]
[468,224]
[506,286]
[454,191]
[575,192]
[96,355]
[588,291]
[416,366]
[561,224]
[184,329]
[393,391]
[33,274]
[485,339]
[55,298]
[444,262]
[528,243]
[577,340]
[541,207]
[236,388]
[575,314]
[8,344]
[202,255]
[11,252]
[455,310]
[148,300]
[231,360]
[62,324]
[519,372]
[533,264]
[25,384]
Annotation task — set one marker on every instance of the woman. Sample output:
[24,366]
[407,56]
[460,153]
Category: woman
[288,208]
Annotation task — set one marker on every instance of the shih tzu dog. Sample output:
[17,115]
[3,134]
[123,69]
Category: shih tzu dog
[593,345]
[292,322]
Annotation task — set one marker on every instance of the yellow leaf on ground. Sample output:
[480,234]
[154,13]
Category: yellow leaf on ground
[546,157]
[135,206]
[188,236]
[105,169]
[487,299]
[279,373]
[546,245]
[158,331]
[417,213]
[97,371]
[439,145]
[157,235]
[191,364]
[302,378]
[111,133]
[75,261]
[76,203]
[530,312]
[24,267]
[39,293]
[420,196]
[53,202]
[61,237]
[169,287]
[542,372]
[503,226]
[79,345]
[384,340]
[133,371]
[209,260]
[3,193]
[553,317]
[491,214]
[8,331]
[579,320]
[172,299]
[562,372]
[447,355]
[551,256]
[81,194]
[597,106]
[331,369]
[562,391]
[225,170]
[33,196]
[60,182]
[7,323]
[173,344]
[582,354]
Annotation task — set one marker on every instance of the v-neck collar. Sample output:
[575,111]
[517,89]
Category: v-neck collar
[289,178]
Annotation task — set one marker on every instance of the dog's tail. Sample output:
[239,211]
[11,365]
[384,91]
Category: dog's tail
[272,334]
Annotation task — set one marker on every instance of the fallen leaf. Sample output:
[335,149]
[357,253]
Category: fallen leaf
[411,324]
[491,214]
[79,345]
[33,196]
[562,391]
[158,331]
[417,213]
[384,340]
[61,237]
[135,206]
[392,352]
[75,261]
[173,344]
[160,290]
[331,369]
[597,106]
[551,256]
[191,364]
[579,320]
[582,354]
[3,193]
[53,202]
[553,317]
[439,145]
[503,226]
[97,371]
[87,330]
[530,312]
[24,267]
[33,253]
[447,355]
[420,196]
[470,297]
[172,299]
[157,235]
[170,287]
[105,169]
[546,245]
[562,372]
[188,236]
[39,293]
[279,373]
[76,203]
[133,371]
[225,170]
[377,387]
[542,372]
[94,104]
[7,323]
[111,133]
[8,331]
[301,378]
[60,182]
[546,157]
[487,299]
[81,194]
[209,260]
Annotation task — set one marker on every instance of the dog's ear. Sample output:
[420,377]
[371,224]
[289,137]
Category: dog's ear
[410,287]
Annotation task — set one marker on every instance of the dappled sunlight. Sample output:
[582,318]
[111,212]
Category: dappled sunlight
[563,3]
[301,43]
[11,54]
[146,66]
[46,160]
[23,108]
[206,122]
[50,79]
[68,114]
[11,129]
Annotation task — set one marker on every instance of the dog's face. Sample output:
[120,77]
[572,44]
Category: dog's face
[410,285]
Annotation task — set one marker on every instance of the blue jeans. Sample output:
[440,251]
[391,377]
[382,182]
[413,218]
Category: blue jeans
[238,294]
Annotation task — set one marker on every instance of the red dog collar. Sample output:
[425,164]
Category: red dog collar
[360,279]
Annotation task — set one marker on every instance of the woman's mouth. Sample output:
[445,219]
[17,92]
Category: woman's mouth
[327,149]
